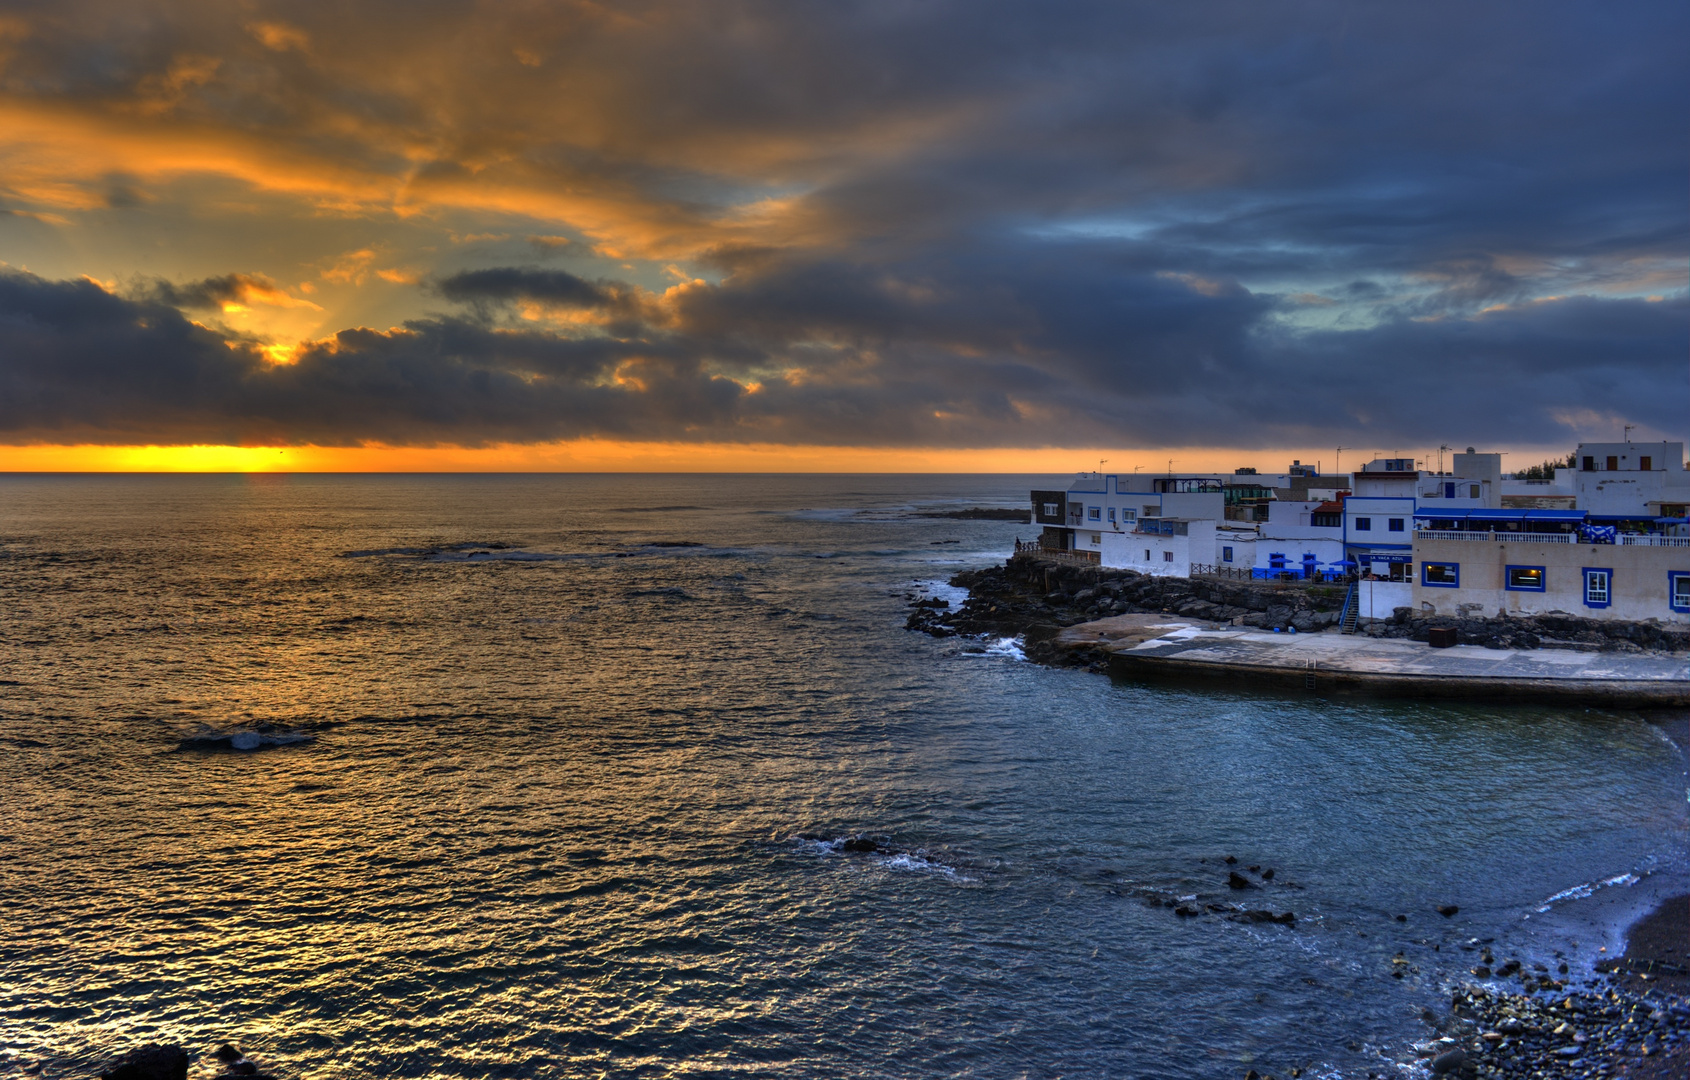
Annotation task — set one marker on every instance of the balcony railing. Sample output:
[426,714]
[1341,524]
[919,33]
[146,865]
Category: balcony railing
[1078,558]
[1498,537]
[1625,539]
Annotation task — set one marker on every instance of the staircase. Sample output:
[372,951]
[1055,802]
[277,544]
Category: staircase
[1352,609]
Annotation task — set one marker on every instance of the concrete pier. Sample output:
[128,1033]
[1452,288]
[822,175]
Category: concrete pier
[1146,646]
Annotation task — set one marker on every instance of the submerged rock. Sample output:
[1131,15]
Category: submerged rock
[150,1062]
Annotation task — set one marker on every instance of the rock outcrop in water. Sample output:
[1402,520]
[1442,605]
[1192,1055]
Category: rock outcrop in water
[1034,598]
[149,1062]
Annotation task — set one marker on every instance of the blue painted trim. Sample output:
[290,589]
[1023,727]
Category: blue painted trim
[1672,581]
[1456,584]
[1584,576]
[1543,578]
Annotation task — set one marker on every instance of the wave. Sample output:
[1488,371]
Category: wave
[1579,892]
[881,852]
[1006,646]
[246,740]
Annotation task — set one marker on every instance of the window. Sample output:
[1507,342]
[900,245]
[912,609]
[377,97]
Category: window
[1449,491]
[1443,575]
[1096,538]
[1645,463]
[1364,524]
[1326,521]
[1111,513]
[1167,556]
[1146,554]
[1523,579]
[1226,554]
[1052,510]
[1589,464]
[1094,513]
[1474,494]
[1678,591]
[1129,515]
[1598,587]
[1395,524]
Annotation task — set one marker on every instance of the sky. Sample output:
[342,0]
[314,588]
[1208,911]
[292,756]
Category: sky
[879,236]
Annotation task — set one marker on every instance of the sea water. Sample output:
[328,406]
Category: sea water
[482,776]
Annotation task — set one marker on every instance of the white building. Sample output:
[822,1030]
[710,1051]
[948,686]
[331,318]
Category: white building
[1298,531]
[1161,547]
[1627,479]
[1099,512]
[1391,492]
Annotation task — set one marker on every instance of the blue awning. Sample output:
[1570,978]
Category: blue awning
[1638,517]
[1572,517]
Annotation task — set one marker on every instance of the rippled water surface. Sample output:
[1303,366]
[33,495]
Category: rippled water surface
[522,783]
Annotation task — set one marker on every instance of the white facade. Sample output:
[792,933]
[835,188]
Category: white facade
[1290,531]
[1473,481]
[1628,478]
[1161,547]
[1235,546]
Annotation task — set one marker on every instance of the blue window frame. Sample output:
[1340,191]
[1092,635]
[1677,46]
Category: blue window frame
[1364,524]
[1523,579]
[1598,586]
[1111,513]
[1226,554]
[1441,575]
[1394,524]
[1678,591]
[1094,513]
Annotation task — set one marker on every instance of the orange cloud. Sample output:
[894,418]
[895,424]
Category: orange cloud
[279,37]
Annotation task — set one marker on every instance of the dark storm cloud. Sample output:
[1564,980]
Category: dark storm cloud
[208,293]
[510,283]
[1167,361]
[931,223]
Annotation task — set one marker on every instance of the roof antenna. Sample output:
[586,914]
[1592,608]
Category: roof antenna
[1627,436]
[1338,467]
[1100,462]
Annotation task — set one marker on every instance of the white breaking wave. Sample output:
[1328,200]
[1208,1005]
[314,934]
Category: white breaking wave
[1579,892]
[912,862]
[1006,646]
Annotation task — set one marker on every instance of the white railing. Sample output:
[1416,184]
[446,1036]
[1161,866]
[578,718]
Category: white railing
[1625,539]
[1498,537]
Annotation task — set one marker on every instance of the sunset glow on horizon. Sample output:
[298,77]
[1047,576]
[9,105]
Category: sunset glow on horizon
[605,456]
[811,234]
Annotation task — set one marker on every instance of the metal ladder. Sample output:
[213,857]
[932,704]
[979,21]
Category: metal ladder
[1308,674]
[1352,609]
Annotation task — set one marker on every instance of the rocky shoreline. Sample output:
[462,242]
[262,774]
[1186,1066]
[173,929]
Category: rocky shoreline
[1035,598]
[1509,1021]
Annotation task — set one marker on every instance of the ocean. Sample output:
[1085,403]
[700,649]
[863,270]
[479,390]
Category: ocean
[489,776]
